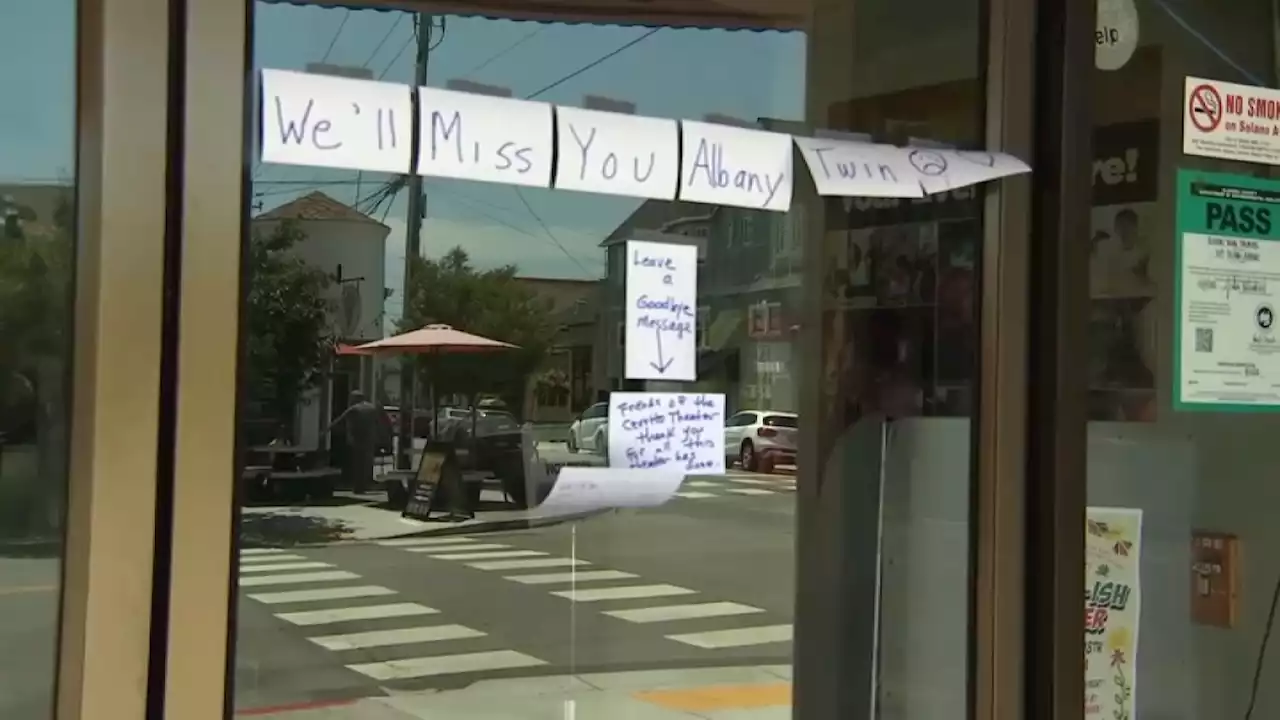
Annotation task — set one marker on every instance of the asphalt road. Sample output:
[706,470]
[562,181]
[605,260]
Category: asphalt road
[28,635]
[705,580]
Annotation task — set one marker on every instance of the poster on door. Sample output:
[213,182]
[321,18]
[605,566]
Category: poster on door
[1112,609]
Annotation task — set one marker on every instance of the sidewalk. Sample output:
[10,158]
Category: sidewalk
[742,693]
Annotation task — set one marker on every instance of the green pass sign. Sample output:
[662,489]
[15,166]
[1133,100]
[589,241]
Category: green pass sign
[1227,346]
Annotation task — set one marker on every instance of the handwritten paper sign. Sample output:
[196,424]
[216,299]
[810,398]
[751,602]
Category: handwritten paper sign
[739,167]
[325,121]
[490,139]
[854,169]
[617,154]
[661,311]
[682,433]
[941,169]
[583,489]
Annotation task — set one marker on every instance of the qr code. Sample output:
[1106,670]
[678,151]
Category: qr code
[1204,340]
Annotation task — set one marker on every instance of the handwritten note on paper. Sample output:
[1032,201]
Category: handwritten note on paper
[661,311]
[723,165]
[940,169]
[490,139]
[617,154]
[583,489]
[677,432]
[856,169]
[326,121]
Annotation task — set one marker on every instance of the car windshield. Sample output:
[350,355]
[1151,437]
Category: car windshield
[782,421]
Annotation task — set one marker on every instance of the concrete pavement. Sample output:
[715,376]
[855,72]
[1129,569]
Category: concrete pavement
[698,583]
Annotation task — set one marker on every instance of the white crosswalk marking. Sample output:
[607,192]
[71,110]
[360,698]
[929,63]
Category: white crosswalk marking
[289,578]
[495,555]
[584,576]
[337,593]
[274,557]
[446,665]
[310,565]
[629,592]
[669,613]
[261,551]
[461,548]
[695,495]
[360,612]
[741,637]
[532,564]
[399,636]
[426,541]
[748,480]
[701,484]
[750,491]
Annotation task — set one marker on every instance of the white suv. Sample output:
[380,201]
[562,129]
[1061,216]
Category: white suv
[761,439]
[589,430]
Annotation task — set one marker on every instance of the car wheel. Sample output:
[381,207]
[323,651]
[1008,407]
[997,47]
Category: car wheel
[747,456]
[572,443]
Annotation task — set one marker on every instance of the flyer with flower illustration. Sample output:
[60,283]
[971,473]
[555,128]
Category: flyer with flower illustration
[1112,608]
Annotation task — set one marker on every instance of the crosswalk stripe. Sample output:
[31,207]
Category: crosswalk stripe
[255,559]
[532,564]
[269,567]
[695,495]
[701,484]
[459,548]
[628,592]
[495,555]
[585,576]
[364,612]
[667,613]
[288,578]
[749,480]
[446,665]
[424,541]
[751,491]
[740,637]
[337,593]
[261,551]
[399,636]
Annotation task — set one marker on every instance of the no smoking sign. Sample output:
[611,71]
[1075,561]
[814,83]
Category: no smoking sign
[1205,108]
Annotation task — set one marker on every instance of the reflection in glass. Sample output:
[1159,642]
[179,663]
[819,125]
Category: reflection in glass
[359,580]
[37,245]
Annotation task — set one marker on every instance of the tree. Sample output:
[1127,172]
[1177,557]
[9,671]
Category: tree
[288,335]
[35,319]
[490,303]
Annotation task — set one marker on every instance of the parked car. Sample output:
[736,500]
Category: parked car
[589,430]
[761,439]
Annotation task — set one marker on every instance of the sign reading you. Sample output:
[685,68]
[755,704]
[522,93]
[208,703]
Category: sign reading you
[336,122]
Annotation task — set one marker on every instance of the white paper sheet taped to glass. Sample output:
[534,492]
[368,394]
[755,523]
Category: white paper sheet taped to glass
[674,432]
[336,122]
[585,489]
[661,311]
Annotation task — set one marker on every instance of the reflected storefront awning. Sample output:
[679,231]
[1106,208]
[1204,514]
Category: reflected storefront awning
[728,14]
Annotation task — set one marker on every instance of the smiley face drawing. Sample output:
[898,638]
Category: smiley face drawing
[927,162]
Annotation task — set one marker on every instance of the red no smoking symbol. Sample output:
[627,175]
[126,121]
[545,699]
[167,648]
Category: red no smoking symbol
[1205,108]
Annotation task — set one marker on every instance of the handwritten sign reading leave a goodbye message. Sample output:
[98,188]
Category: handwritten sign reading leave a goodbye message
[739,167]
[679,432]
[334,122]
[490,139]
[617,154]
[661,311]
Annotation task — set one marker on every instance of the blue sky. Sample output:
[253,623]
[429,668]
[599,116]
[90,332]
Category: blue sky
[678,73]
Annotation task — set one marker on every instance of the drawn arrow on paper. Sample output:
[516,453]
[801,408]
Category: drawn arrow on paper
[662,365]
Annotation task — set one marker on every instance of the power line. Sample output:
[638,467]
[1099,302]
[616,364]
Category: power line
[629,44]
[383,41]
[505,51]
[345,17]
[547,230]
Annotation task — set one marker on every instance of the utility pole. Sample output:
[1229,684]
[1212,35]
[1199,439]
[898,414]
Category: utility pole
[412,248]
